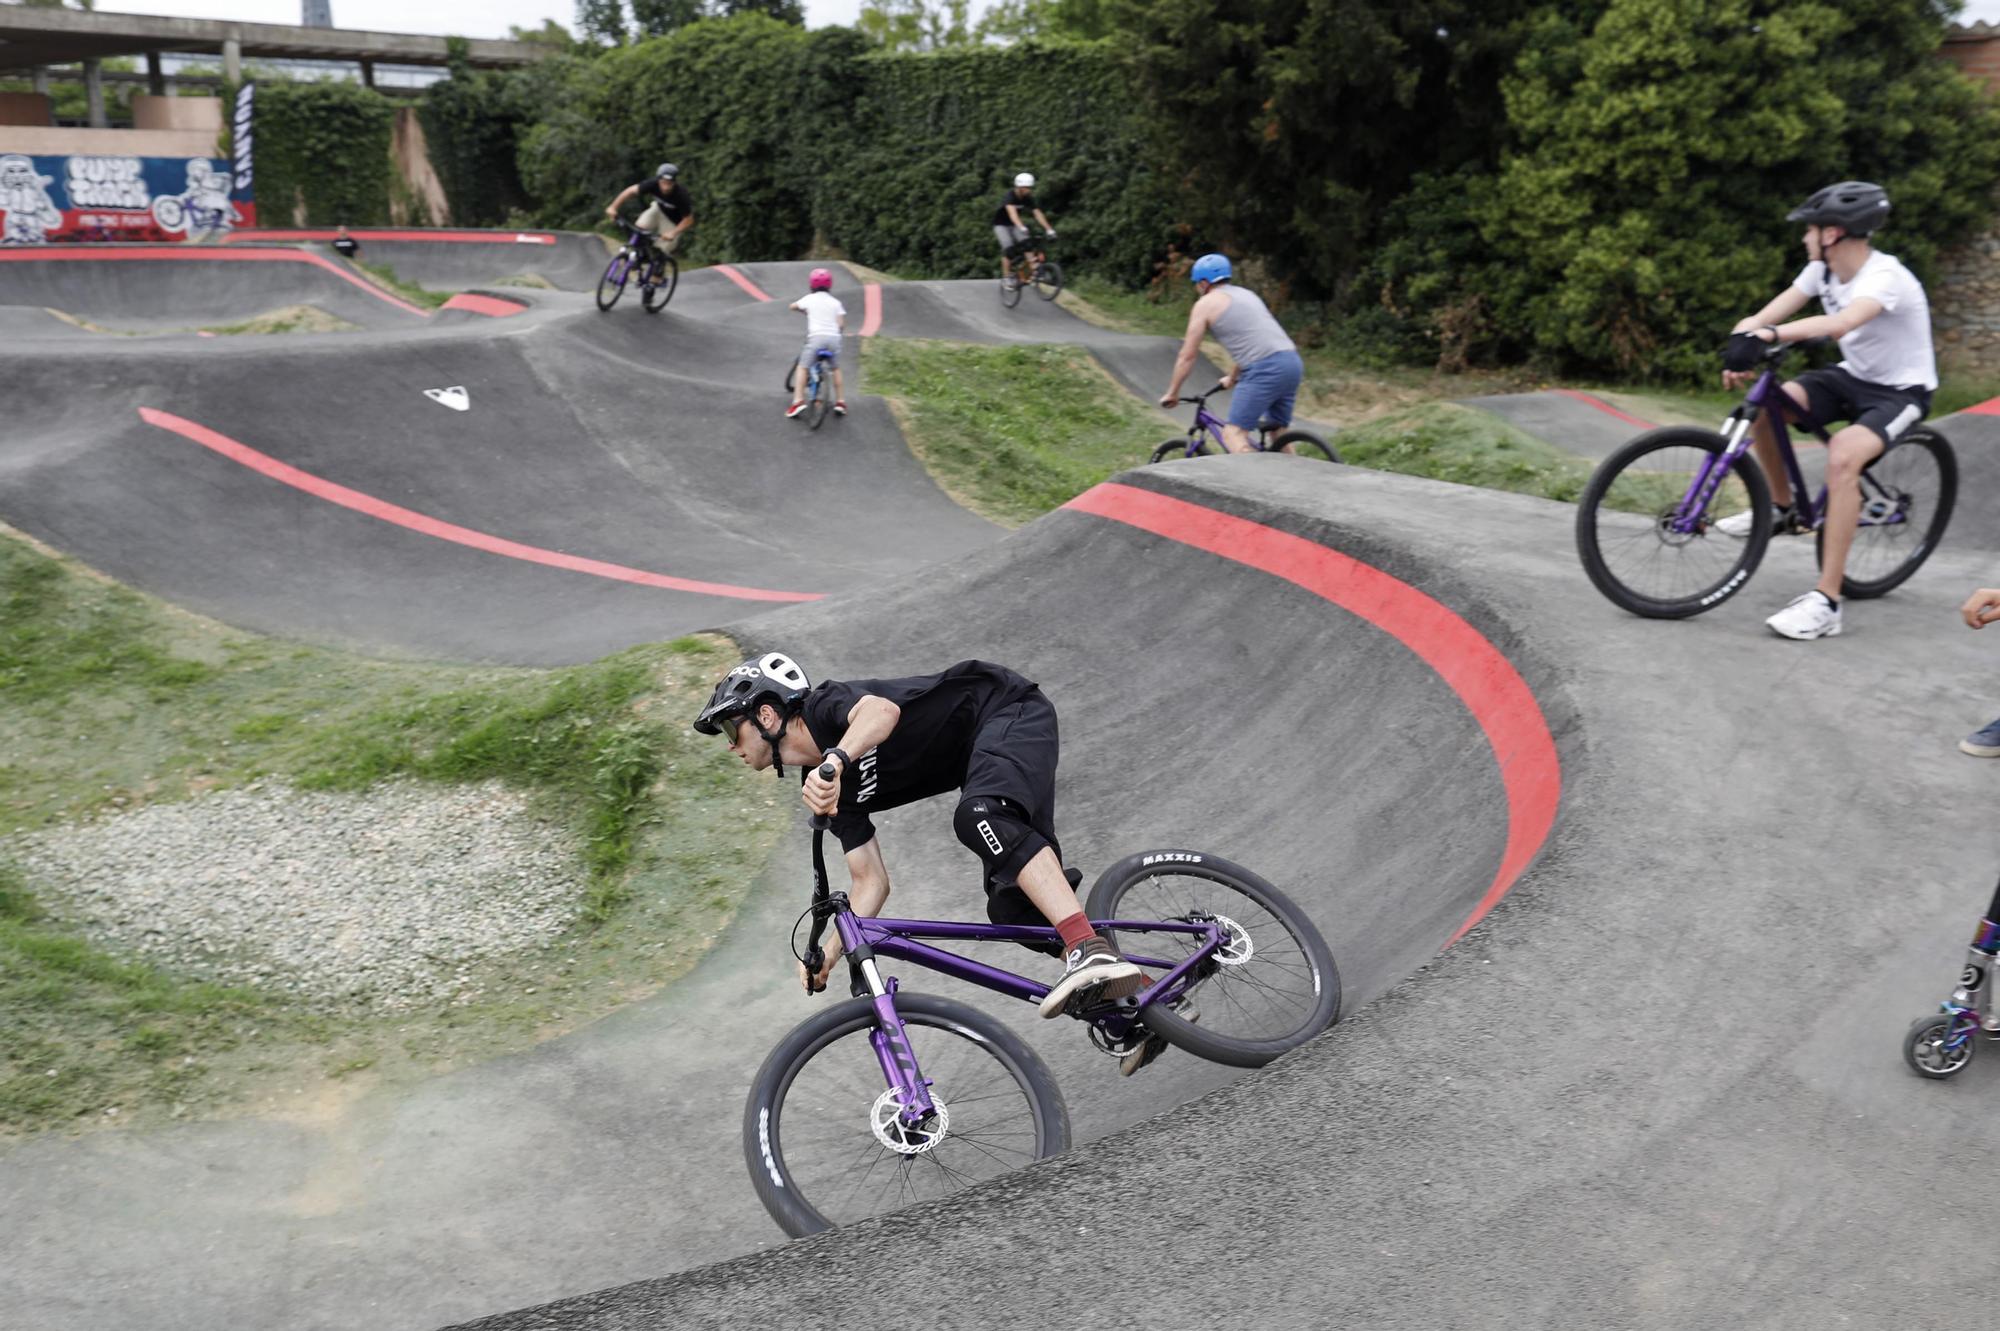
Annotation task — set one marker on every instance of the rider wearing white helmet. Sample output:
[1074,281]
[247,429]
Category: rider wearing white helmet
[1009,229]
[669,207]
[976,728]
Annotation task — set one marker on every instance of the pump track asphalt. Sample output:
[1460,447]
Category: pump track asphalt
[1631,914]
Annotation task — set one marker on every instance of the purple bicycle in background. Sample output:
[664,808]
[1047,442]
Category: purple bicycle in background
[1204,437]
[658,272]
[894,1097]
[1646,525]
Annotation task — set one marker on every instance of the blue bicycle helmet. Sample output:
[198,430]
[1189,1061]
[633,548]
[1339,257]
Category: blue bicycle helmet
[1210,268]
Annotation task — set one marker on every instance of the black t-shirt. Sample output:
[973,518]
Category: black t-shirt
[1026,205]
[671,195]
[926,754]
[347,246]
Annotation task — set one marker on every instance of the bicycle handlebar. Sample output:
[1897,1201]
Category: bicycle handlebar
[815,955]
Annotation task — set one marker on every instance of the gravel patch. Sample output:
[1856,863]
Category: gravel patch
[384,897]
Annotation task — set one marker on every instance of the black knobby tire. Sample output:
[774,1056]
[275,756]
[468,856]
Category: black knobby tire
[1924,1051]
[1922,473]
[816,409]
[1048,280]
[1010,296]
[621,264]
[791,375]
[774,1175]
[1178,448]
[1624,510]
[655,295]
[1169,884]
[1303,443]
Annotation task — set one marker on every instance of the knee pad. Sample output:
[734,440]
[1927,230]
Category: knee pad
[993,829]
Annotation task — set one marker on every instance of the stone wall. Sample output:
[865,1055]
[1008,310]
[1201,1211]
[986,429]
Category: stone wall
[1965,297]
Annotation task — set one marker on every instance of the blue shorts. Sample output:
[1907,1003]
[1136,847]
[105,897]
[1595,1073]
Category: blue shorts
[1269,387]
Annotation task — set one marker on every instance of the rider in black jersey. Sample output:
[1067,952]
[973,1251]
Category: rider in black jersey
[977,728]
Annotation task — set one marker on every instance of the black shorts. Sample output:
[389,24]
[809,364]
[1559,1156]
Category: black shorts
[1834,394]
[1013,758]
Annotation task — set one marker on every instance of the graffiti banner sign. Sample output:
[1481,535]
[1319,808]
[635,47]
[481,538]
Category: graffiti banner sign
[44,200]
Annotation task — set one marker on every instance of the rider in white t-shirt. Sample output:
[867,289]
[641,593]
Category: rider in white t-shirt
[826,320]
[1882,386]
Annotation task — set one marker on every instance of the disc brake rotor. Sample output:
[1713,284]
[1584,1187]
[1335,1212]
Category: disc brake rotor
[885,1120]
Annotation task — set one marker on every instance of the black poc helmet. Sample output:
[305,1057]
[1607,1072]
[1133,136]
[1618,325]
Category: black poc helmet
[774,678]
[1855,206]
[667,171]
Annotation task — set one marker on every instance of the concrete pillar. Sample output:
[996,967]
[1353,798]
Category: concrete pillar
[232,59]
[368,73]
[93,91]
[156,77]
[42,80]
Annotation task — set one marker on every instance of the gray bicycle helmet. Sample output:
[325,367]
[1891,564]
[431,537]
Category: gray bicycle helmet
[1855,206]
[667,171]
[774,678]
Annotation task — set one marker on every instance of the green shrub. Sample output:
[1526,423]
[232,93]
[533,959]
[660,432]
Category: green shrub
[325,146]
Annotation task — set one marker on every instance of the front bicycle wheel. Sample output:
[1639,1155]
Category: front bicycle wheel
[1304,443]
[1629,531]
[1271,987]
[816,409]
[1048,279]
[1906,500]
[1180,448]
[820,1134]
[661,281]
[1010,291]
[612,285]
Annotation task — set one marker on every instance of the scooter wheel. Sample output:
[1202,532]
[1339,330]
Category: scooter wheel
[1927,1049]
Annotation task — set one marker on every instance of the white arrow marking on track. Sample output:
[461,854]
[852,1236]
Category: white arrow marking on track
[455,398]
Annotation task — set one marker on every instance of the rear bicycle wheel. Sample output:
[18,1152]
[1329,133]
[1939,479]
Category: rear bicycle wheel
[1906,501]
[612,285]
[810,1130]
[665,275]
[816,408]
[1178,448]
[1303,443]
[1272,986]
[1625,526]
[1048,279]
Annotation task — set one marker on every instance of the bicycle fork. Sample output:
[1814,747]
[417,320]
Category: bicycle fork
[1687,515]
[890,1040]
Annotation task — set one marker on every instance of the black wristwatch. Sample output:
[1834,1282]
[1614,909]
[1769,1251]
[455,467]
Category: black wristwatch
[845,761]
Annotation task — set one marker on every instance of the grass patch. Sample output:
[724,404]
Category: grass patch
[290,319]
[1447,442]
[410,291]
[109,700]
[1015,431]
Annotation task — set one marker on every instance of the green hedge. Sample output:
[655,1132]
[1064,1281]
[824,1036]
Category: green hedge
[326,145]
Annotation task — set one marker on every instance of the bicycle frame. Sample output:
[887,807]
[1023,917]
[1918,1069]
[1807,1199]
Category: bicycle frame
[863,940]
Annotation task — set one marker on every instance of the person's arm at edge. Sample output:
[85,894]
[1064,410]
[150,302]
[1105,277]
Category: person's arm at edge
[1197,329]
[624,197]
[869,722]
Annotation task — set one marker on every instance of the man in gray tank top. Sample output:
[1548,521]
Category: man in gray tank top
[1266,369]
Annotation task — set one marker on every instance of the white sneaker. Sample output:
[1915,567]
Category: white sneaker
[1808,617]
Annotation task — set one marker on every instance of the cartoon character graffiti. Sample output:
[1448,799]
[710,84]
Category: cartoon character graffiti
[24,197]
[203,207]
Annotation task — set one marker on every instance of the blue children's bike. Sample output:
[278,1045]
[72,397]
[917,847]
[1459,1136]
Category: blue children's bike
[818,397]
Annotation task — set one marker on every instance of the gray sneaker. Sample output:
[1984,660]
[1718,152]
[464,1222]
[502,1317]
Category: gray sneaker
[1086,968]
[1983,743]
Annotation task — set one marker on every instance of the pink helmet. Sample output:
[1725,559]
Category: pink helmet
[821,280]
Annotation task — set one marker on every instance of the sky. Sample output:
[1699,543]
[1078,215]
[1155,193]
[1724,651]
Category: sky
[491,18]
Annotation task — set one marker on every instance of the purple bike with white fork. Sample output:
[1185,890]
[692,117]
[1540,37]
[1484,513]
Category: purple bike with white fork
[1647,525]
[894,1097]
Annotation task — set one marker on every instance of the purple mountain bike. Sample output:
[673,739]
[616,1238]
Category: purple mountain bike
[894,1097]
[658,272]
[1204,437]
[1646,525]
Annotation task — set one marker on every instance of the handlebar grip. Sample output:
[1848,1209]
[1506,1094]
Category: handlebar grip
[820,821]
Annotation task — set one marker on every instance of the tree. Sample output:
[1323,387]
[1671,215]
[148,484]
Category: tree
[657,18]
[1658,147]
[916,25]
[1062,20]
[551,34]
[601,21]
[785,11]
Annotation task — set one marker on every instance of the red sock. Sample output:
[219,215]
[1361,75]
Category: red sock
[1075,931]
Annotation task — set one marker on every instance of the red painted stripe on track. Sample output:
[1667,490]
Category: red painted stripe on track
[199,254]
[267,234]
[1484,680]
[1990,407]
[334,493]
[755,291]
[1600,404]
[871,309]
[492,306]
